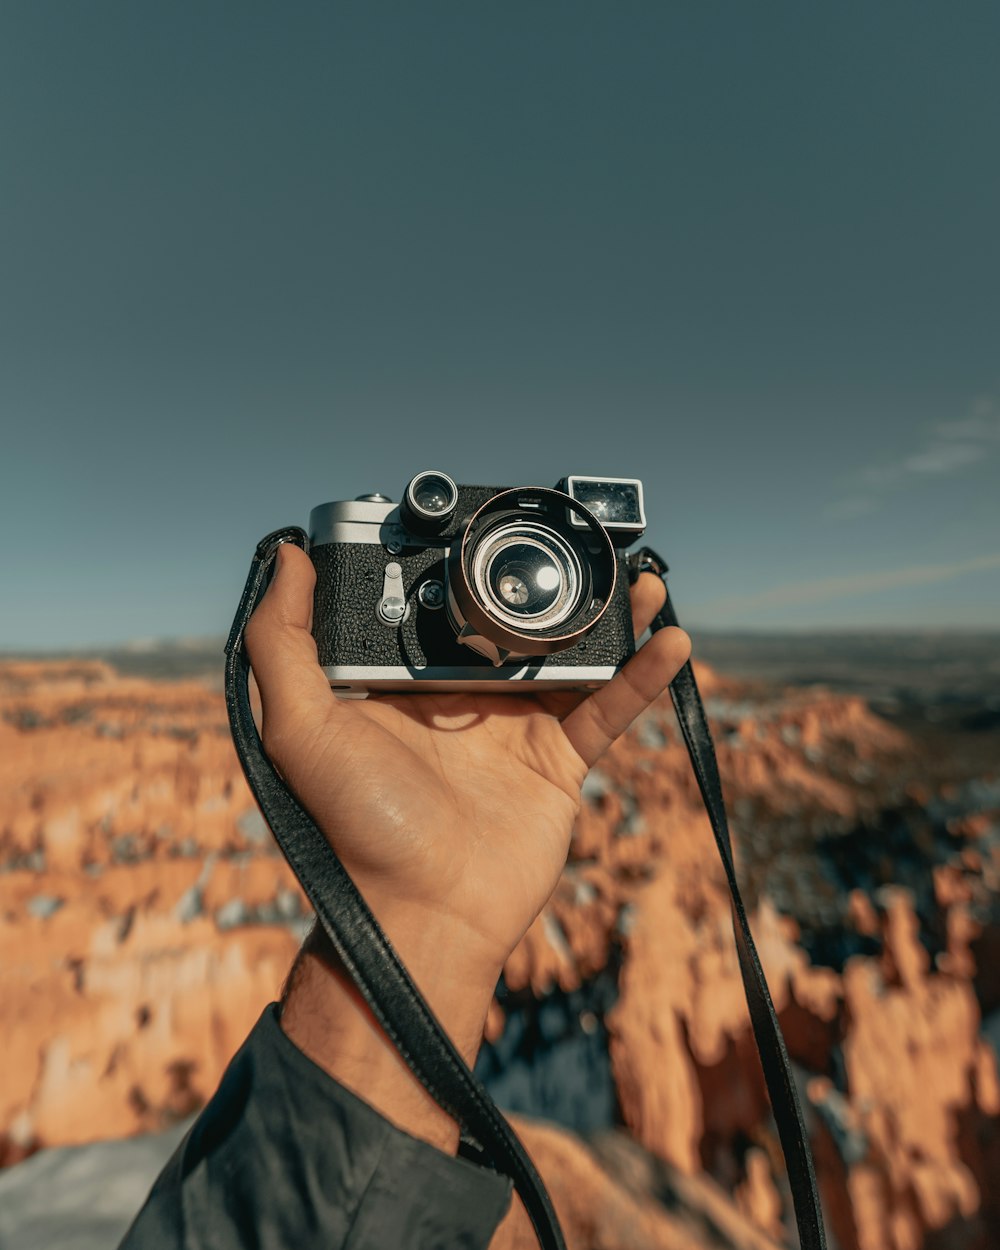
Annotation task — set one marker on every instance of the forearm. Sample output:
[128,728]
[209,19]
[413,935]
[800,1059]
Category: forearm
[326,1017]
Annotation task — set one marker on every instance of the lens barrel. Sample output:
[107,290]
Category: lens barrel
[525,578]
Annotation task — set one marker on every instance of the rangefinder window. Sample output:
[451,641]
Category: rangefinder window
[615,501]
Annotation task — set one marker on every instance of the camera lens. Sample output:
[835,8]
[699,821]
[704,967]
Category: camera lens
[524,581]
[528,574]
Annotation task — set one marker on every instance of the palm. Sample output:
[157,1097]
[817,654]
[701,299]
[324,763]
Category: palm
[473,799]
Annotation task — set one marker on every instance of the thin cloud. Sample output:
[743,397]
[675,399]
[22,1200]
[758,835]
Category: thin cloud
[825,589]
[945,457]
[979,428]
[948,448]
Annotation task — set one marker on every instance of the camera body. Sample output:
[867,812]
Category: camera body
[480,588]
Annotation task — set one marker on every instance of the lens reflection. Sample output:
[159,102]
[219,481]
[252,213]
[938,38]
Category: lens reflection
[432,493]
[525,578]
[527,573]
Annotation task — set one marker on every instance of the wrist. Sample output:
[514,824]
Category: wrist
[325,1015]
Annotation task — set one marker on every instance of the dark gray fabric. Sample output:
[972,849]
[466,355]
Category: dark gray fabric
[284,1156]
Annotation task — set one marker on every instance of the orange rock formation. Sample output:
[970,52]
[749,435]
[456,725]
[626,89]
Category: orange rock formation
[145,919]
[132,858]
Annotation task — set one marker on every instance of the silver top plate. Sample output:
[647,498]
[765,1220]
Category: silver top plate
[353,521]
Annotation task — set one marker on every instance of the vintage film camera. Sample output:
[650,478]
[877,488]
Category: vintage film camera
[481,588]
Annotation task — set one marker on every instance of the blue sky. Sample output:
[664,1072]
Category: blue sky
[255,256]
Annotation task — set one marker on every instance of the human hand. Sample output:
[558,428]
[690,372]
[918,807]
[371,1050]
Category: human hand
[452,812]
[452,809]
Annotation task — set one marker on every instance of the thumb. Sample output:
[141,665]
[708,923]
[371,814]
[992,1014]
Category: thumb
[293,688]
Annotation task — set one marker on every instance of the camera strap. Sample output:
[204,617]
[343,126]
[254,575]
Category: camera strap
[767,1033]
[390,992]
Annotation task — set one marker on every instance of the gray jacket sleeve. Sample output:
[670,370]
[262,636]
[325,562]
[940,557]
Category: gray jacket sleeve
[285,1156]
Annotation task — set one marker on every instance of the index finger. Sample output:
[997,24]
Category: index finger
[605,715]
[647,595]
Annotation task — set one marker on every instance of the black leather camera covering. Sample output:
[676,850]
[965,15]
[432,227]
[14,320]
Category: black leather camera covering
[348,630]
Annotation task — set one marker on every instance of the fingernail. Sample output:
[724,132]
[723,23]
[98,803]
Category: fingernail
[275,570]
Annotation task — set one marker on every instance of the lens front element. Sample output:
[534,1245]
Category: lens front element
[527,575]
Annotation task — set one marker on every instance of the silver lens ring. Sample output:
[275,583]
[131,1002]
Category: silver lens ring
[527,575]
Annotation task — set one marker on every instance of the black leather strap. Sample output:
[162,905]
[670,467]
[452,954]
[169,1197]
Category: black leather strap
[766,1029]
[366,952]
[397,1003]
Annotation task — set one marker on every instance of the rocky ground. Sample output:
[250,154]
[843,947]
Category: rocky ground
[145,920]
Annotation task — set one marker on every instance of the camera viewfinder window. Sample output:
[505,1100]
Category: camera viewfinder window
[614,503]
